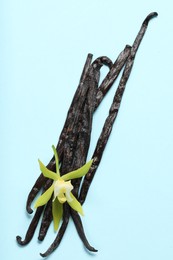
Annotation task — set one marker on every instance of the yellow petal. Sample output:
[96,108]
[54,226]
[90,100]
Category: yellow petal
[78,173]
[47,173]
[44,198]
[75,204]
[57,211]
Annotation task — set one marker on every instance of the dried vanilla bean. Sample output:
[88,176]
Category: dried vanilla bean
[78,223]
[81,150]
[46,220]
[31,229]
[61,231]
[107,128]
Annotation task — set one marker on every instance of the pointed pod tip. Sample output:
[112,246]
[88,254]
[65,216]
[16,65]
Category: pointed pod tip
[91,248]
[41,237]
[149,17]
[20,241]
[94,250]
[153,14]
[29,209]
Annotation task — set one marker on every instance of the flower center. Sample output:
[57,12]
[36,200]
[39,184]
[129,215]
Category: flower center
[62,190]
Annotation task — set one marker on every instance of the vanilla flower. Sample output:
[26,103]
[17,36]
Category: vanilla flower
[61,188]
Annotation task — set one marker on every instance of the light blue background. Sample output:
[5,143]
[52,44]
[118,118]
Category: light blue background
[43,46]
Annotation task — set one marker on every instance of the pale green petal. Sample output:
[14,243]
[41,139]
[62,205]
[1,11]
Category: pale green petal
[56,160]
[44,198]
[57,211]
[47,173]
[74,203]
[78,173]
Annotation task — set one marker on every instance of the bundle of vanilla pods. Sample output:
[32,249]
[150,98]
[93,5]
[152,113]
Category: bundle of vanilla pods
[74,140]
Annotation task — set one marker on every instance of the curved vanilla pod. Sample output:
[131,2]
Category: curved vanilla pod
[57,241]
[112,75]
[107,128]
[31,229]
[79,227]
[46,220]
[35,220]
